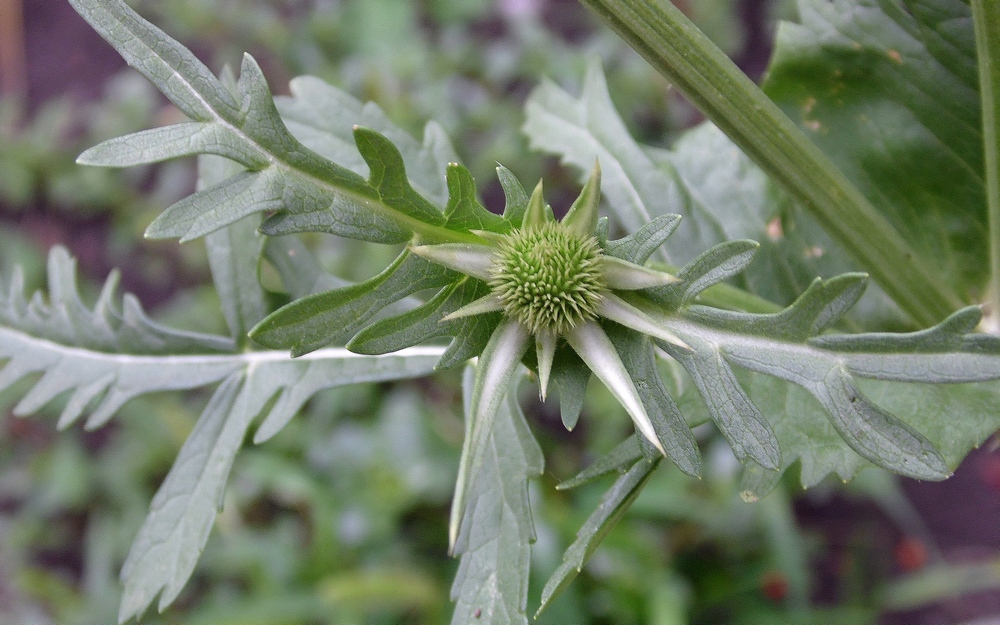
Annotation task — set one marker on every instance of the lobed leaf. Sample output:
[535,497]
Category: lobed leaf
[711,267]
[737,417]
[283,175]
[464,212]
[234,257]
[323,118]
[317,320]
[720,192]
[620,459]
[102,358]
[425,322]
[613,505]
[387,175]
[638,247]
[181,516]
[857,430]
[108,327]
[672,430]
[494,545]
[170,66]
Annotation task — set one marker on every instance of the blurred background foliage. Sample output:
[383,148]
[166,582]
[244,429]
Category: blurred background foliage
[341,519]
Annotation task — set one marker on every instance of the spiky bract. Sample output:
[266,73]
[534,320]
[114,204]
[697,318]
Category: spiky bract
[548,278]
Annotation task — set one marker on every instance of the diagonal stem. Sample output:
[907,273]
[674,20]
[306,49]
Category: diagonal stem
[677,49]
[986,21]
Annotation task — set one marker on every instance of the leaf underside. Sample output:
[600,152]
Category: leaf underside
[103,356]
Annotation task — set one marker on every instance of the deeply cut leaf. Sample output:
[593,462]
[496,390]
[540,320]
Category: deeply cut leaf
[307,190]
[103,358]
[491,585]
[613,505]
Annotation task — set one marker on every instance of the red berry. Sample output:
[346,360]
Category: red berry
[774,585]
[911,554]
[989,471]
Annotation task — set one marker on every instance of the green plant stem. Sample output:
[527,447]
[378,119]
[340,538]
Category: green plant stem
[661,33]
[986,21]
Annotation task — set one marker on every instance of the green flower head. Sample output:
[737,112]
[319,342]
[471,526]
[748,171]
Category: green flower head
[553,281]
[548,278]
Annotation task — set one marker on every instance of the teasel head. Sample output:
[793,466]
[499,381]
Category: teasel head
[553,282]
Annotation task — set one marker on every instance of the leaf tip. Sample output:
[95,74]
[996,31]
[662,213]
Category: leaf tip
[87,158]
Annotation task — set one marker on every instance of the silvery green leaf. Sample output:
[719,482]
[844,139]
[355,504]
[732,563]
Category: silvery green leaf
[184,508]
[570,377]
[757,482]
[464,212]
[340,216]
[323,118]
[425,322]
[638,247]
[243,194]
[720,192]
[234,256]
[495,376]
[809,438]
[100,383]
[300,271]
[516,198]
[620,459]
[306,190]
[102,357]
[317,320]
[831,403]
[107,327]
[720,262]
[613,505]
[164,62]
[181,516]
[875,433]
[671,429]
[736,416]
[169,142]
[948,336]
[491,585]
[823,303]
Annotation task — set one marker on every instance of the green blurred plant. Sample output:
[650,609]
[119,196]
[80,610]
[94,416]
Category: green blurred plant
[746,346]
